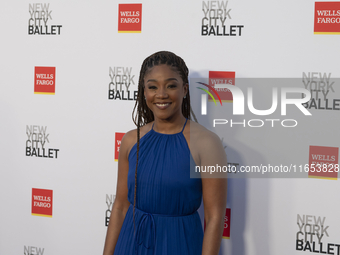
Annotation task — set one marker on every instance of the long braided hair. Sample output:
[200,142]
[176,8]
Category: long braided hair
[141,114]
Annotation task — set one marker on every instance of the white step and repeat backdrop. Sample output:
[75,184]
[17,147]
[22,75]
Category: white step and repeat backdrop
[69,74]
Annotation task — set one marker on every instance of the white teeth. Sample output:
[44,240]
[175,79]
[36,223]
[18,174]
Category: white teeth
[163,104]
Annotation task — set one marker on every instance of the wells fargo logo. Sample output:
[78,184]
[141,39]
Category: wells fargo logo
[44,80]
[118,139]
[226,229]
[323,162]
[130,18]
[217,80]
[222,77]
[42,202]
[327,18]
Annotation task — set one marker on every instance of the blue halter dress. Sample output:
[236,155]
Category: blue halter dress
[166,218]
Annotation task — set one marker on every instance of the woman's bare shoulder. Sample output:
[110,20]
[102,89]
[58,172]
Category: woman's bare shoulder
[130,137]
[199,134]
[205,146]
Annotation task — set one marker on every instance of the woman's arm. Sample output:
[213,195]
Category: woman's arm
[214,193]
[121,203]
[214,199]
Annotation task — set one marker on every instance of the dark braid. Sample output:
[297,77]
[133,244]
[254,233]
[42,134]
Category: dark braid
[134,196]
[144,115]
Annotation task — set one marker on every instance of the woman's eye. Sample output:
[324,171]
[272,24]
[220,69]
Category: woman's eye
[151,87]
[172,86]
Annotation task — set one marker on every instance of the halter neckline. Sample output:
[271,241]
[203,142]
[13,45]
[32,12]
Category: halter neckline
[186,120]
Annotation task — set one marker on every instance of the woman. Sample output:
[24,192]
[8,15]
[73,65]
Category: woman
[155,210]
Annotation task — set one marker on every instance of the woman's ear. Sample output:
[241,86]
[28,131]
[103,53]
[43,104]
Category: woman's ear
[186,89]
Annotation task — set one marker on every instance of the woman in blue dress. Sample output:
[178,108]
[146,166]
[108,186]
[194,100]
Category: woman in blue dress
[155,210]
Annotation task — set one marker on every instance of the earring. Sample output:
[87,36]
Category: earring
[185,96]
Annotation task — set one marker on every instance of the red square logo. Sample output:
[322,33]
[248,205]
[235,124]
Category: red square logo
[323,162]
[130,18]
[226,230]
[221,78]
[118,140]
[44,80]
[42,200]
[327,18]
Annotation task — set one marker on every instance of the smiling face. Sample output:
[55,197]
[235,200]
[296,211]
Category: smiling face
[164,91]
